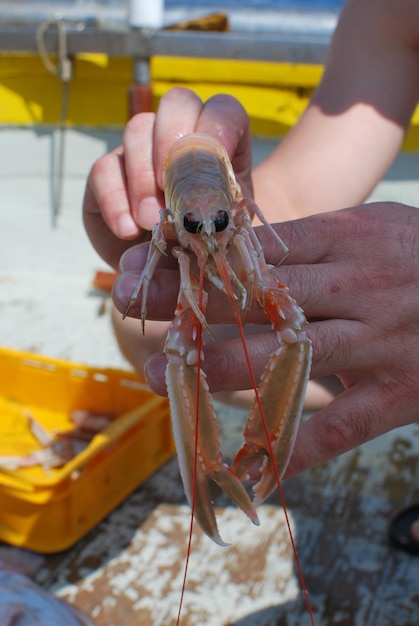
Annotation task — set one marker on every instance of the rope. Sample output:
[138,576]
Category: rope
[63,70]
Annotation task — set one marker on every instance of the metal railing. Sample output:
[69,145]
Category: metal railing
[143,44]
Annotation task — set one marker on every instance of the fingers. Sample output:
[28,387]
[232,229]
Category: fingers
[230,372]
[163,289]
[226,366]
[323,290]
[310,240]
[145,197]
[178,115]
[154,372]
[124,192]
[345,235]
[360,414]
[163,292]
[181,112]
[161,283]
[224,118]
[148,140]
[106,194]
[342,425]
[106,207]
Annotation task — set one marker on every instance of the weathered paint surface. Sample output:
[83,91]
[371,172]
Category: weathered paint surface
[130,569]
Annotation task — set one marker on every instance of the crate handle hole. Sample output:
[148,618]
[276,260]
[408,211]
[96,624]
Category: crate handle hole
[100,378]
[39,364]
[78,373]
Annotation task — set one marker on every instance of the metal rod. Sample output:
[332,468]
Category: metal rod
[143,44]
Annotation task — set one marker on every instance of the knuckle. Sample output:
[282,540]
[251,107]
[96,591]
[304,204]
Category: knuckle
[352,422]
[100,167]
[399,389]
[332,348]
[303,285]
[326,436]
[293,233]
[341,433]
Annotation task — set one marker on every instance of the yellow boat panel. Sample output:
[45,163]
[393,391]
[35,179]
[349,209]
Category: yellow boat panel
[29,94]
[273,110]
[273,94]
[182,69]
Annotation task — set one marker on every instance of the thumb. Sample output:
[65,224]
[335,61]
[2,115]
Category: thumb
[154,372]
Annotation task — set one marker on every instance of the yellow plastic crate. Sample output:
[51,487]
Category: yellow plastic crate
[48,511]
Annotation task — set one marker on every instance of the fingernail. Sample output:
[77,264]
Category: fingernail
[148,212]
[126,226]
[123,288]
[154,373]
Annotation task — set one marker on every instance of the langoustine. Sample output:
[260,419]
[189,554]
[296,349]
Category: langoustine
[208,215]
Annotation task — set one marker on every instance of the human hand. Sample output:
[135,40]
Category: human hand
[124,191]
[356,274]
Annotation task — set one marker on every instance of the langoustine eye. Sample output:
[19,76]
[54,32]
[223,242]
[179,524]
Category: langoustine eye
[221,221]
[192,225]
